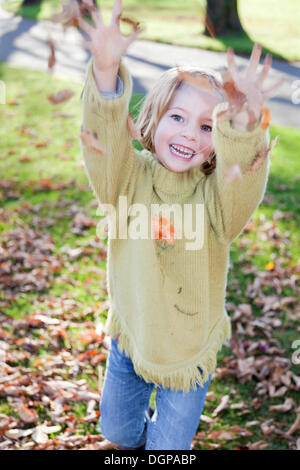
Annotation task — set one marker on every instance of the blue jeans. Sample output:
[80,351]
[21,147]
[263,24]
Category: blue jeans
[125,398]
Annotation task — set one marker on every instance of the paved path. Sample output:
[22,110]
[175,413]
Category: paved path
[23,44]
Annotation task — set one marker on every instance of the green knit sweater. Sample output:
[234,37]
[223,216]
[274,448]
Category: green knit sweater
[168,302]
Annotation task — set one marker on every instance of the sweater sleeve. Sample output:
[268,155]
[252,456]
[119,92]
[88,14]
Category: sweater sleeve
[106,119]
[230,205]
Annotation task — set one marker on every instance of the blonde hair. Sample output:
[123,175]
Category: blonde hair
[158,100]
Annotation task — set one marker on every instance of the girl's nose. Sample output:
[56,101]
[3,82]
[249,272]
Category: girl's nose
[190,133]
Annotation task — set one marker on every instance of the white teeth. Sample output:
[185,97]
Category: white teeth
[181,153]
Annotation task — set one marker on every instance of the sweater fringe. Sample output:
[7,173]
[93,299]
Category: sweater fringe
[182,378]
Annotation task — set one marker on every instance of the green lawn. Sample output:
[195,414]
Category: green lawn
[274,24]
[42,188]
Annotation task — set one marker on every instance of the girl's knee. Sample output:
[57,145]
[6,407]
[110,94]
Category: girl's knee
[116,432]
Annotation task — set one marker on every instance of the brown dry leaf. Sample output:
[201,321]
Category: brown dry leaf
[259,445]
[51,60]
[90,336]
[286,406]
[223,404]
[60,96]
[267,427]
[296,425]
[13,102]
[135,24]
[261,156]
[4,422]
[91,142]
[26,131]
[132,129]
[27,415]
[25,158]
[227,435]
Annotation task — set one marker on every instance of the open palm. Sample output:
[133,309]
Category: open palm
[249,96]
[106,43]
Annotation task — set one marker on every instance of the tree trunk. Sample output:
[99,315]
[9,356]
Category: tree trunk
[27,3]
[223,16]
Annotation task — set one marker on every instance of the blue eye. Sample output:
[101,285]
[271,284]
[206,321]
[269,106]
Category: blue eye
[208,128]
[176,116]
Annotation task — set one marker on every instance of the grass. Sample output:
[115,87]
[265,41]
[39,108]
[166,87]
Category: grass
[25,163]
[276,27]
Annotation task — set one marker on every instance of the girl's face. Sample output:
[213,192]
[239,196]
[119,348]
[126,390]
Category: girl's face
[183,138]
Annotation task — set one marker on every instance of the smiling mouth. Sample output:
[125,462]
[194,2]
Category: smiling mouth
[178,152]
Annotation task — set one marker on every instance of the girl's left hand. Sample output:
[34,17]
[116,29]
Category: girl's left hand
[244,93]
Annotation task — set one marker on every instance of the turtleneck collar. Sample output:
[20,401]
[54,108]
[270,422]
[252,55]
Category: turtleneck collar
[170,182]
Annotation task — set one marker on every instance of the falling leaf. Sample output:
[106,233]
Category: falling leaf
[91,142]
[267,117]
[261,156]
[51,60]
[135,24]
[61,96]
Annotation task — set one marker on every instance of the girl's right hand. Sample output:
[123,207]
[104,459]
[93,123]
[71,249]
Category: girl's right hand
[106,42]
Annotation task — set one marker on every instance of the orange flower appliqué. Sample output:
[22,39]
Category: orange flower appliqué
[163,231]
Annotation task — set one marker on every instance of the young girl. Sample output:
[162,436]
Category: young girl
[167,319]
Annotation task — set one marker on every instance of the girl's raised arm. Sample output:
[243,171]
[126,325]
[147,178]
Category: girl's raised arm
[241,142]
[105,143]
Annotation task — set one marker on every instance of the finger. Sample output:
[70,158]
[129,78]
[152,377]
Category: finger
[116,12]
[232,65]
[86,44]
[96,15]
[271,91]
[85,26]
[266,68]
[254,61]
[132,37]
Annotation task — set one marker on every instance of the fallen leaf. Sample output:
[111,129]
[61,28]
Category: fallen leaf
[223,404]
[286,406]
[27,415]
[61,96]
[296,425]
